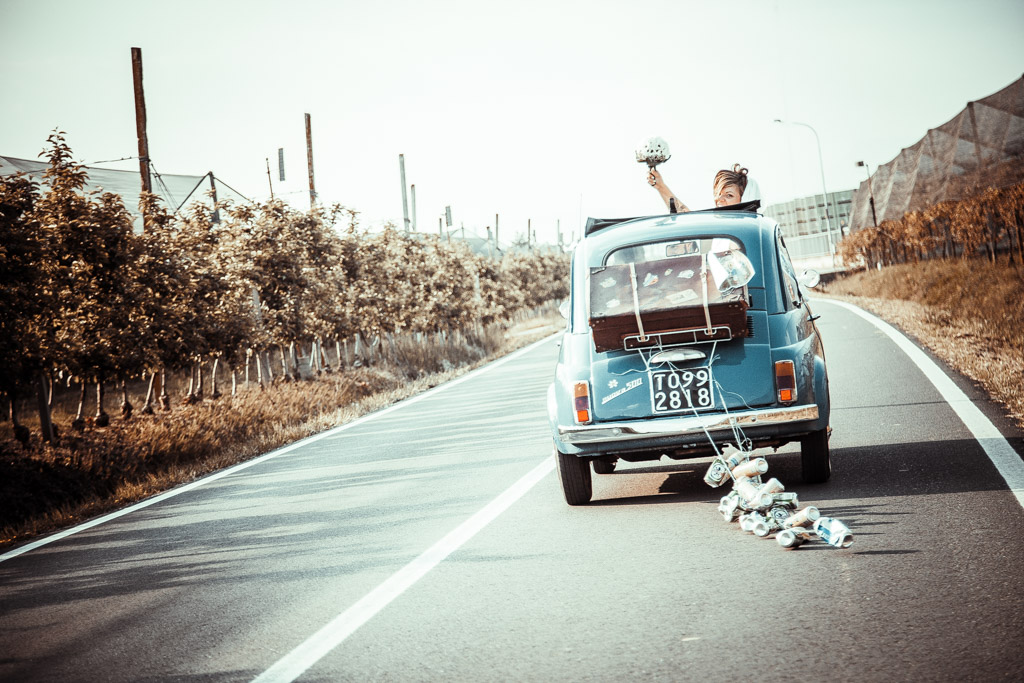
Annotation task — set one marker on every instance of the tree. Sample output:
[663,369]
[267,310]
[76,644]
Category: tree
[87,266]
[25,300]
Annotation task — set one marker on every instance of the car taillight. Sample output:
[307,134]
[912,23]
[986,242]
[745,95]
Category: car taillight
[581,402]
[785,380]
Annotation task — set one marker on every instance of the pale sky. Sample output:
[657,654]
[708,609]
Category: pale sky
[528,109]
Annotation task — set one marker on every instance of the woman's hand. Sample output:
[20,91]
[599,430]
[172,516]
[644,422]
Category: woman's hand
[653,178]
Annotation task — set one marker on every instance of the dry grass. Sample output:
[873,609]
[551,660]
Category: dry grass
[85,474]
[968,313]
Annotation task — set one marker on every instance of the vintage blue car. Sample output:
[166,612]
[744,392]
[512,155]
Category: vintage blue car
[686,333]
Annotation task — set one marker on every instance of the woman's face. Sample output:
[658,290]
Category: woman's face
[728,195]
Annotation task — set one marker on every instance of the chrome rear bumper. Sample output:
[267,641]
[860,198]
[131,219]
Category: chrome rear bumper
[691,424]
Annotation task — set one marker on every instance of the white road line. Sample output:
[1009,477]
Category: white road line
[267,456]
[998,449]
[292,665]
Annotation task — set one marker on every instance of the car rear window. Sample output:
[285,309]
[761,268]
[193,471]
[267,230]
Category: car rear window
[667,275]
[657,251]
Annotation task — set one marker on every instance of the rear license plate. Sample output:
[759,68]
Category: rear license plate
[674,391]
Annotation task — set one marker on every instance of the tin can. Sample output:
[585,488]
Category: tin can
[751,495]
[787,539]
[833,532]
[716,474]
[777,515]
[803,518]
[729,506]
[794,537]
[772,486]
[761,527]
[787,498]
[755,523]
[751,468]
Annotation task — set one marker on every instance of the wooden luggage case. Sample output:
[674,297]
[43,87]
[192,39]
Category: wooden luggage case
[674,305]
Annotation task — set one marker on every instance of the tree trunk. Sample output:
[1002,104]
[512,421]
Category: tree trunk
[234,381]
[993,234]
[199,380]
[296,372]
[21,432]
[269,370]
[102,419]
[147,409]
[322,358]
[1020,248]
[126,406]
[191,384]
[79,422]
[214,391]
[284,363]
[45,423]
[165,398]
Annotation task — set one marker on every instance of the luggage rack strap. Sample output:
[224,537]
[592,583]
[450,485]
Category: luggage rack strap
[677,337]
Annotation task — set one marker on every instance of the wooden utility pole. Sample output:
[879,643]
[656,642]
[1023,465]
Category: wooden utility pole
[495,231]
[309,161]
[270,182]
[140,121]
[405,201]
[147,181]
[412,190]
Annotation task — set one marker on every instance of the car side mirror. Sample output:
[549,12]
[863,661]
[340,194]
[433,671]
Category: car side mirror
[810,278]
[563,309]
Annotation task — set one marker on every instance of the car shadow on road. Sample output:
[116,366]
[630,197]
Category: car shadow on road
[879,472]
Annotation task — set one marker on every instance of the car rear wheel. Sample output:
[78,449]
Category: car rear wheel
[814,457]
[574,473]
[602,467]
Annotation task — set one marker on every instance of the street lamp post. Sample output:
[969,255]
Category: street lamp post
[821,166]
[871,192]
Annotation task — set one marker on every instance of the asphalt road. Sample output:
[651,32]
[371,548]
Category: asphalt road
[385,552]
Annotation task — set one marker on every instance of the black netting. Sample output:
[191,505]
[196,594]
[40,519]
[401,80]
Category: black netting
[171,188]
[981,146]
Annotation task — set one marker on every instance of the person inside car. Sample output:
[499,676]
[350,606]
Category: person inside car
[730,187]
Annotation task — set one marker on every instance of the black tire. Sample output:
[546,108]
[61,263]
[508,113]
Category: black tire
[602,467]
[814,457]
[574,473]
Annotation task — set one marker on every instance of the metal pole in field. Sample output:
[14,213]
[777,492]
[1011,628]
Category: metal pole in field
[871,192]
[824,192]
[140,120]
[558,227]
[405,202]
[270,180]
[412,190]
[309,161]
[213,196]
[280,164]
[495,231]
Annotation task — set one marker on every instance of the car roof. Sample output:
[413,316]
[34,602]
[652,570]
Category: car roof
[595,224]
[745,225]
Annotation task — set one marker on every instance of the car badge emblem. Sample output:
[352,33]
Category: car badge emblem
[613,383]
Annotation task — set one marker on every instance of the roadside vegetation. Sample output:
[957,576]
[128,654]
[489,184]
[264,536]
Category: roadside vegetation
[952,276]
[224,334]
